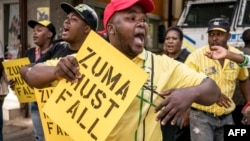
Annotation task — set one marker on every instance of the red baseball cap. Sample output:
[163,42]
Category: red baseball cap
[119,5]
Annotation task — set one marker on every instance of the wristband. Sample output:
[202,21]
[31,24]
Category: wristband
[245,107]
[245,62]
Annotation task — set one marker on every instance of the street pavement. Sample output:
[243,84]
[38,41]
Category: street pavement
[18,129]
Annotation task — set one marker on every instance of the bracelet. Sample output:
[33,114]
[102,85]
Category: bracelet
[245,62]
[246,105]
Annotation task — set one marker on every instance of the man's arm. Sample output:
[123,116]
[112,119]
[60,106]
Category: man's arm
[179,100]
[245,86]
[207,93]
[218,52]
[41,75]
[234,57]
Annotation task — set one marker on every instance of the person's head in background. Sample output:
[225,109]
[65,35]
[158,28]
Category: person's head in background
[173,42]
[43,33]
[80,20]
[126,25]
[218,32]
[246,37]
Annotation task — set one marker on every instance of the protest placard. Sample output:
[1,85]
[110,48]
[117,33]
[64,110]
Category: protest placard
[89,109]
[22,90]
[52,131]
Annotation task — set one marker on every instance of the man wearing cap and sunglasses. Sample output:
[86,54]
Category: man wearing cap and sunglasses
[125,23]
[207,122]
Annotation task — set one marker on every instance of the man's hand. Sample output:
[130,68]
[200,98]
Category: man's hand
[224,101]
[174,106]
[185,118]
[68,68]
[217,52]
[12,84]
[245,120]
[246,114]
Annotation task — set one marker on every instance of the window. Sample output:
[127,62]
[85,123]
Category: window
[246,19]
[11,35]
[152,43]
[200,14]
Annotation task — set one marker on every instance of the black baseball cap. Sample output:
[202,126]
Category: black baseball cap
[45,23]
[220,24]
[84,11]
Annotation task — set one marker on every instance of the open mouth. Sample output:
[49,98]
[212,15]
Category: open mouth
[170,47]
[35,38]
[140,37]
[65,30]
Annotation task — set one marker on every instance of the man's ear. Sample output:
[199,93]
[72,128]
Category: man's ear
[110,29]
[50,34]
[87,29]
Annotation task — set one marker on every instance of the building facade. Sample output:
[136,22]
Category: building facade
[16,36]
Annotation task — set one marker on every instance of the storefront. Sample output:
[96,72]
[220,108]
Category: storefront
[9,37]
[15,13]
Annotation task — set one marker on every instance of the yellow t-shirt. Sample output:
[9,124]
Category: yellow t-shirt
[138,122]
[53,62]
[225,76]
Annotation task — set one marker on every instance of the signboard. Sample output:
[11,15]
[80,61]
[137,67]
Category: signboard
[92,106]
[43,13]
[51,130]
[23,92]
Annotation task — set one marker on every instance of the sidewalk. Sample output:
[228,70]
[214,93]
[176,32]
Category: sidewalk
[18,129]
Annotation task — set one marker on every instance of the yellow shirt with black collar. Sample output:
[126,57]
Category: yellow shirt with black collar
[225,76]
[138,122]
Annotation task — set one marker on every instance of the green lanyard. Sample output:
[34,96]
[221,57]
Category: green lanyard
[141,97]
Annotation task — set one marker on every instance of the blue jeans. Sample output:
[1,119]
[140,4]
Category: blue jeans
[207,127]
[37,123]
[1,120]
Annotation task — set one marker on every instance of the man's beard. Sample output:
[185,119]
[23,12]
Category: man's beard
[124,47]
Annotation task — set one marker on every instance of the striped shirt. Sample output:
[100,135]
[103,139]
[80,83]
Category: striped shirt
[225,76]
[138,122]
